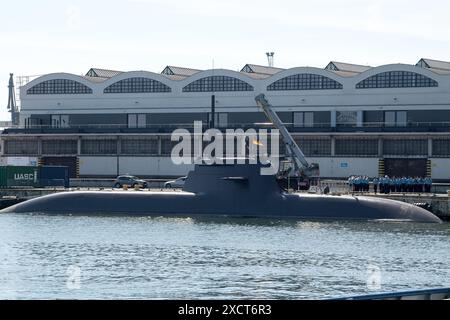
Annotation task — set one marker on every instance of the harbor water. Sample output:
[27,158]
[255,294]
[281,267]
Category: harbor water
[103,257]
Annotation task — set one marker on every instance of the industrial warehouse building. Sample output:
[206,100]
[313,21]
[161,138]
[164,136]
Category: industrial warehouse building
[351,119]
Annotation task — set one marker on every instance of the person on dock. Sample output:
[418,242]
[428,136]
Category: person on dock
[409,184]
[428,183]
[382,183]
[392,184]
[403,184]
[419,185]
[357,183]
[375,184]
[387,188]
[398,184]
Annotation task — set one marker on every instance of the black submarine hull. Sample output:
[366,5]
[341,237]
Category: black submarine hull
[189,204]
[227,190]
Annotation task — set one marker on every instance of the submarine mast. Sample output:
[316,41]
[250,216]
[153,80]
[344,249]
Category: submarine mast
[298,158]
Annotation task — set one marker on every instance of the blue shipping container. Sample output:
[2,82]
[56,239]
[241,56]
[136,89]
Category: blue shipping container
[54,176]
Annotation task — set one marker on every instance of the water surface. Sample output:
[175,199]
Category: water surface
[85,257]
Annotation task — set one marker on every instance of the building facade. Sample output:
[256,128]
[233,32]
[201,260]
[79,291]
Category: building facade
[392,119]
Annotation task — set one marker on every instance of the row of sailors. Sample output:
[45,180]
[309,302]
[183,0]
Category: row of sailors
[387,184]
[359,183]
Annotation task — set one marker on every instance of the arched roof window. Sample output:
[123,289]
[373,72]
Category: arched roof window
[396,79]
[59,86]
[217,83]
[304,81]
[137,85]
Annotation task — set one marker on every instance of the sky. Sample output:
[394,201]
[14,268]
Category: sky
[46,36]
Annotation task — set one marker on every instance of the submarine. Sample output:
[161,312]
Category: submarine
[237,190]
[232,190]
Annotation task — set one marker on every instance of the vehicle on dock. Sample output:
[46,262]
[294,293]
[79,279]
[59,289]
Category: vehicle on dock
[177,183]
[129,181]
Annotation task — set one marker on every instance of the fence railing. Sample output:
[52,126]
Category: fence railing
[323,126]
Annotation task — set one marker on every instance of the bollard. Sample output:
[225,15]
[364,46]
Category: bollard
[125,187]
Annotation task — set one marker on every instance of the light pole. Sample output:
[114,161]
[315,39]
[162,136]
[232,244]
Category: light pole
[212,122]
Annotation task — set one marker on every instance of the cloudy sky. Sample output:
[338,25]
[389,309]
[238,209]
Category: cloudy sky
[39,37]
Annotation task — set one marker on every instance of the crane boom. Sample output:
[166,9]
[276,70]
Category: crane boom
[298,158]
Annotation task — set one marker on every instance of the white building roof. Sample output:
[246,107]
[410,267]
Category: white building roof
[102,73]
[346,69]
[259,72]
[178,73]
[441,67]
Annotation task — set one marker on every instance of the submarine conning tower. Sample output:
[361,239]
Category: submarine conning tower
[225,179]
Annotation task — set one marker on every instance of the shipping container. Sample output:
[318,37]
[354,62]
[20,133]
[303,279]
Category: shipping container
[19,176]
[71,162]
[52,176]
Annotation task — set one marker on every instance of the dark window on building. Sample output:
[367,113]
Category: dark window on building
[60,121]
[37,121]
[137,120]
[50,147]
[98,120]
[99,146]
[346,118]
[139,146]
[395,118]
[405,147]
[356,147]
[429,117]
[217,83]
[396,79]
[441,147]
[23,147]
[167,145]
[59,86]
[137,85]
[322,118]
[373,118]
[314,147]
[303,119]
[220,119]
[304,81]
[170,119]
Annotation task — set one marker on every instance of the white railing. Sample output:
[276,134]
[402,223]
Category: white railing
[290,126]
